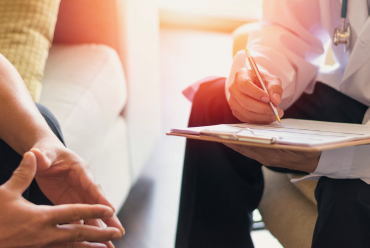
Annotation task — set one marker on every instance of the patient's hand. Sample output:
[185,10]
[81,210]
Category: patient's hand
[65,178]
[249,102]
[294,160]
[23,224]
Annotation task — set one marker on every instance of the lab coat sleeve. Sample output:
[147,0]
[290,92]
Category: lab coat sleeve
[345,163]
[288,45]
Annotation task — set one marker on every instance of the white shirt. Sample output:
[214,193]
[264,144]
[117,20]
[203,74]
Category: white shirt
[291,44]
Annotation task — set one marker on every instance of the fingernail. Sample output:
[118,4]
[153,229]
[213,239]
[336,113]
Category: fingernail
[277,97]
[265,99]
[281,112]
[118,222]
[101,245]
[116,236]
[27,158]
[107,214]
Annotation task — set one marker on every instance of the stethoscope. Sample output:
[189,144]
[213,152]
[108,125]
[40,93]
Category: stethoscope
[343,35]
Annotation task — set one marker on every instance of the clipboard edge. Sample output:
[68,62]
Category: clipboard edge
[275,146]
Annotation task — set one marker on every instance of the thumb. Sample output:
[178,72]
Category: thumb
[43,162]
[23,175]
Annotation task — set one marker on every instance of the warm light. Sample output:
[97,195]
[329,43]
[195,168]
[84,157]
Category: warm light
[229,9]
[184,4]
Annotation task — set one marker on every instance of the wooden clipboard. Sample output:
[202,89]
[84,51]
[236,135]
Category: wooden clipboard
[275,146]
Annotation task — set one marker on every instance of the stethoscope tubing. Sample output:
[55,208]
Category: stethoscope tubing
[343,13]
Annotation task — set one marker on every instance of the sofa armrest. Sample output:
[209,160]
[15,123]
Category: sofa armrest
[90,21]
[131,27]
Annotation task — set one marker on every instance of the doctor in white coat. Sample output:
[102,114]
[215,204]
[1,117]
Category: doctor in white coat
[221,188]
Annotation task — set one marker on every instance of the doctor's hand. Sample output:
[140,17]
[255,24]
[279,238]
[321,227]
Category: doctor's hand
[249,102]
[23,224]
[294,160]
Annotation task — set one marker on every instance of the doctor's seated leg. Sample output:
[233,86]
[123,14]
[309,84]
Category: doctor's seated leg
[344,213]
[10,160]
[220,187]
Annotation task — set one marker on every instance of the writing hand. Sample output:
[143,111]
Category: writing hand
[23,224]
[249,102]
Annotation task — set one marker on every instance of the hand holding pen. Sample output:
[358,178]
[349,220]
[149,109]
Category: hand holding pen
[249,101]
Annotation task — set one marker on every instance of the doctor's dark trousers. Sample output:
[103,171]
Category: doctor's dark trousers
[10,160]
[221,188]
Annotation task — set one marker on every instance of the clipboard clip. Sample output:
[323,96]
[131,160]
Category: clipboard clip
[222,135]
[239,137]
[250,130]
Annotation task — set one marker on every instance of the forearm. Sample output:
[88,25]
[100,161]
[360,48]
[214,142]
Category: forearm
[21,124]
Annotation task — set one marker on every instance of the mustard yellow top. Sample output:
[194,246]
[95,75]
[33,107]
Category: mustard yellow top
[26,33]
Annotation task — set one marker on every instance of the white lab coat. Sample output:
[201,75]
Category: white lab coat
[291,44]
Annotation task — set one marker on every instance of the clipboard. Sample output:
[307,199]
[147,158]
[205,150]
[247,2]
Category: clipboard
[336,135]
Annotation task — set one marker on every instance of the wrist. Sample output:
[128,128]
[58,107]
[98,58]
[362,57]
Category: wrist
[314,162]
[49,149]
[39,138]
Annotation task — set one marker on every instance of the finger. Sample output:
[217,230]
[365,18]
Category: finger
[249,104]
[242,118]
[252,116]
[247,83]
[98,223]
[110,222]
[77,245]
[78,222]
[275,88]
[114,222]
[80,233]
[94,222]
[23,175]
[96,196]
[75,212]
[95,193]
[43,162]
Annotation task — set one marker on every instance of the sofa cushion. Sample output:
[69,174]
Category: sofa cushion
[110,163]
[84,87]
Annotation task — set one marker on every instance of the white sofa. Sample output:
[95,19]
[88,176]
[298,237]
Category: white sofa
[102,84]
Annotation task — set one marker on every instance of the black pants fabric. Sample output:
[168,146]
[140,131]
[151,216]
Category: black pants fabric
[10,160]
[221,188]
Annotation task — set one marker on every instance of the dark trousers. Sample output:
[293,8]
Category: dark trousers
[221,188]
[10,160]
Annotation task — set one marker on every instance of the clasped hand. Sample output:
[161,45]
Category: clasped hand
[24,224]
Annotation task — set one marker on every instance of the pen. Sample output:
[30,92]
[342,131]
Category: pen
[254,68]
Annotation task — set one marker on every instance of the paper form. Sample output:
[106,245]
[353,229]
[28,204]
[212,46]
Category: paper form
[290,132]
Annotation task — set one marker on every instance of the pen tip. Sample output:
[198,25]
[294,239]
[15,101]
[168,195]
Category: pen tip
[278,118]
